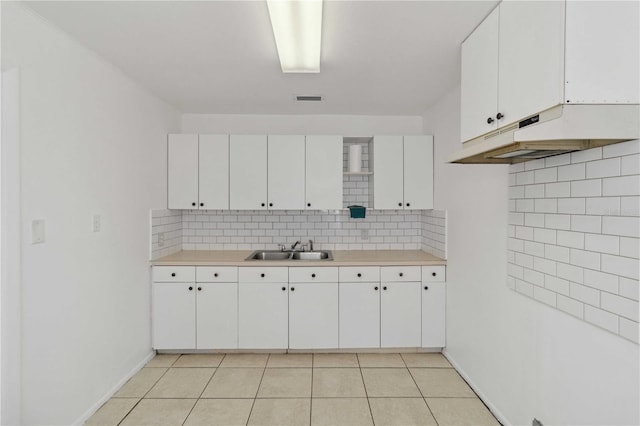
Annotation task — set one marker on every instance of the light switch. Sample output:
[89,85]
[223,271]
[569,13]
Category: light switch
[96,223]
[37,231]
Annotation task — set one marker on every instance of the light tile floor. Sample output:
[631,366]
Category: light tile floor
[295,389]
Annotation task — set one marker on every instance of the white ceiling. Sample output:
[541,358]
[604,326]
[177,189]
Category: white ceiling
[378,57]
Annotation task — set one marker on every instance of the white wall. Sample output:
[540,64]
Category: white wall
[92,141]
[346,125]
[526,359]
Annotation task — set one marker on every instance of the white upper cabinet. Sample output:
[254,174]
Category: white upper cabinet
[198,171]
[531,58]
[286,168]
[403,172]
[479,74]
[213,172]
[248,172]
[323,172]
[512,66]
[182,171]
[418,172]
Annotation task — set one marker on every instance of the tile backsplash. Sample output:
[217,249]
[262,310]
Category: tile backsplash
[331,230]
[574,236]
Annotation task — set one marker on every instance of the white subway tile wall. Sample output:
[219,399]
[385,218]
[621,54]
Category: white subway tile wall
[356,188]
[574,234]
[331,230]
[166,232]
[434,232]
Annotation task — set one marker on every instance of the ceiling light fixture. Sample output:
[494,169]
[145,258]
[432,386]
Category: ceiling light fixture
[297,27]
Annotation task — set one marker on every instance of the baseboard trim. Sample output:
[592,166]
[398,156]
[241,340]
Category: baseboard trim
[95,407]
[494,410]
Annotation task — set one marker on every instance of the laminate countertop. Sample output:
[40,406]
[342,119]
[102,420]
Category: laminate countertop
[340,258]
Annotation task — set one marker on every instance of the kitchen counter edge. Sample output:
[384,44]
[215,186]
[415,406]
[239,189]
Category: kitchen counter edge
[340,258]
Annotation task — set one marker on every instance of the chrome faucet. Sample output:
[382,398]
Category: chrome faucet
[294,245]
[310,245]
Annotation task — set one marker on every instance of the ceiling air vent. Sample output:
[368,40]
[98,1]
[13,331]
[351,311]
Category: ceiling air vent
[307,98]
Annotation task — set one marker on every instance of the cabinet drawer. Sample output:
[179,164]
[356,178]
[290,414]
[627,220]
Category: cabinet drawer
[434,274]
[352,274]
[320,274]
[264,274]
[400,273]
[213,274]
[179,274]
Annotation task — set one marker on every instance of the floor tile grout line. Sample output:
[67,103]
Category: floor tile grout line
[313,357]
[420,390]
[365,390]
[128,412]
[258,389]
[203,389]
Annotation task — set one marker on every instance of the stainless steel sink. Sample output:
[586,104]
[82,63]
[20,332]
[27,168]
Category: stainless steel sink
[290,255]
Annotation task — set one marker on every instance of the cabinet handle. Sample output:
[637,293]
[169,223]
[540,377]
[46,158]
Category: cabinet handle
[426,287]
[308,204]
[384,288]
[375,288]
[400,274]
[399,204]
[262,275]
[190,288]
[199,288]
[262,204]
[293,288]
[270,204]
[313,275]
[201,204]
[433,274]
[359,274]
[408,205]
[284,289]
[499,116]
[215,274]
[173,274]
[489,120]
[193,204]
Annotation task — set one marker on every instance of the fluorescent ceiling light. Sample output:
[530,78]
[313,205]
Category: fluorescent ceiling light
[297,27]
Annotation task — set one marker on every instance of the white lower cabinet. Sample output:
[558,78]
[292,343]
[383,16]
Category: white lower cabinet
[174,315]
[298,307]
[313,315]
[194,315]
[359,315]
[263,308]
[434,298]
[400,315]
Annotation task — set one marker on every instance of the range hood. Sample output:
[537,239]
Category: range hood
[561,129]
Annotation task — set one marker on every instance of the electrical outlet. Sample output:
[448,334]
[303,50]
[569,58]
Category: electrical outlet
[364,234]
[96,223]
[161,239]
[37,231]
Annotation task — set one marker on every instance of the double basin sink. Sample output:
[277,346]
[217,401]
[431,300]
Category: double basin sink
[290,255]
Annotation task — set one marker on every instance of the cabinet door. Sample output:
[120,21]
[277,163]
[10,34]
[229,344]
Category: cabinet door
[217,316]
[388,192]
[182,172]
[263,315]
[324,172]
[248,172]
[313,315]
[174,316]
[479,79]
[433,315]
[531,60]
[418,172]
[359,315]
[286,164]
[400,315]
[213,172]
